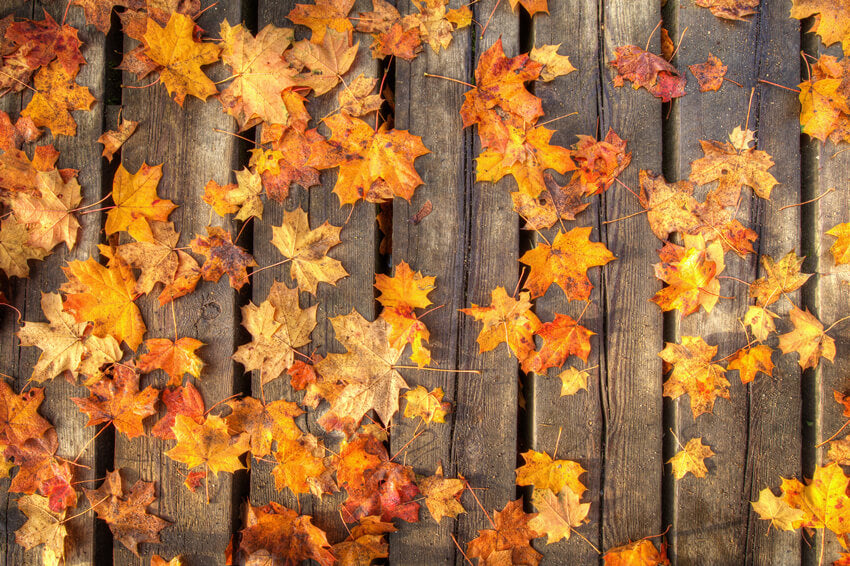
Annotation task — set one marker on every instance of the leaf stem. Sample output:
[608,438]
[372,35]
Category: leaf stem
[475,371]
[779,86]
[449,79]
[820,196]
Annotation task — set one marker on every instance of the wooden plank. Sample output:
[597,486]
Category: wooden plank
[711,512]
[486,405]
[358,254]
[436,248]
[775,436]
[577,420]
[80,152]
[631,388]
[192,153]
[825,167]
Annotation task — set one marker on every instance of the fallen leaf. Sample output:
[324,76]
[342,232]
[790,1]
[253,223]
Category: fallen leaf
[48,217]
[694,373]
[691,458]
[223,256]
[263,423]
[831,22]
[751,361]
[647,70]
[777,511]
[442,496]
[208,444]
[181,400]
[558,514]
[506,320]
[639,553]
[562,337]
[573,380]
[274,534]
[780,278]
[544,473]
[112,140]
[174,358]
[43,526]
[323,15]
[119,402]
[427,405]
[710,74]
[57,94]
[135,198]
[807,339]
[509,542]
[554,65]
[15,251]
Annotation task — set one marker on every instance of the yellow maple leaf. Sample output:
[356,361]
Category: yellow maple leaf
[207,444]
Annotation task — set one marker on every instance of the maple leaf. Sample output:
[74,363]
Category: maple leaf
[733,166]
[639,553]
[442,496]
[276,535]
[781,277]
[831,22]
[104,296]
[404,288]
[99,12]
[57,93]
[544,473]
[208,444]
[156,255]
[291,150]
[44,526]
[710,74]
[112,140]
[760,321]
[599,162]
[572,380]
[554,203]
[531,6]
[509,542]
[427,405]
[777,511]
[554,65]
[375,484]
[19,418]
[365,543]
[263,423]
[126,516]
[322,64]
[525,154]
[645,69]
[366,369]
[40,42]
[694,373]
[506,320]
[500,81]
[839,451]
[15,250]
[323,15]
[750,361]
[181,400]
[157,560]
[392,36]
[691,458]
[303,466]
[841,247]
[731,9]
[826,498]
[118,401]
[307,249]
[373,165]
[135,198]
[242,198]
[691,275]
[562,337]
[357,100]
[807,339]
[13,136]
[558,514]
[174,358]
[175,49]
[223,256]
[277,327]
[671,206]
[436,23]
[48,216]
[260,72]
[65,343]
[823,98]
[565,262]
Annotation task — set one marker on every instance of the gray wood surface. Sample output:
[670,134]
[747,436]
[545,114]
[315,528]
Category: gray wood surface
[631,387]
[192,153]
[426,248]
[577,420]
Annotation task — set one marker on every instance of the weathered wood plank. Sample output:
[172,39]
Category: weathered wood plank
[83,153]
[486,405]
[435,247]
[775,405]
[577,420]
[710,514]
[827,168]
[358,254]
[631,387]
[192,153]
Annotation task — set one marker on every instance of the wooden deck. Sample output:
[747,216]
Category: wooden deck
[620,429]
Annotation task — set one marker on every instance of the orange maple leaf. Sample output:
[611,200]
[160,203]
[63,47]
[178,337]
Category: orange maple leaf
[304,466]
[308,250]
[174,358]
[323,15]
[639,553]
[710,74]
[136,199]
[104,296]
[57,94]
[691,275]
[565,262]
[174,48]
[223,256]
[831,21]
[648,70]
[751,361]
[691,459]
[510,541]
[207,444]
[562,337]
[19,418]
[274,534]
[48,216]
[506,320]
[731,9]
[694,373]
[119,402]
[181,400]
[808,339]
[373,165]
[263,423]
